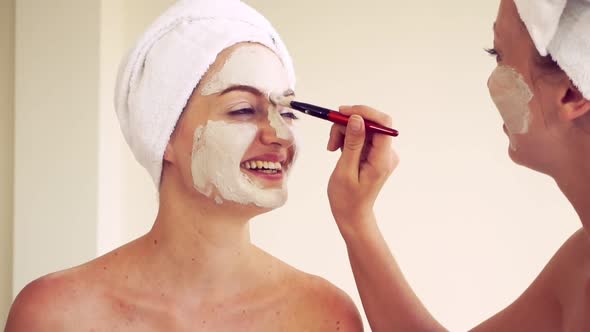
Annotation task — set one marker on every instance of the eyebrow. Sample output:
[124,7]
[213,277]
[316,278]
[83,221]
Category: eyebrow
[245,88]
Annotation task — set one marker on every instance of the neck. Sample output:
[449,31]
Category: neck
[201,245]
[575,185]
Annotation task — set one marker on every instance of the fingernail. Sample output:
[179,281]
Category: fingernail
[355,123]
[345,107]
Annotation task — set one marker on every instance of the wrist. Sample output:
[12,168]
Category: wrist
[354,228]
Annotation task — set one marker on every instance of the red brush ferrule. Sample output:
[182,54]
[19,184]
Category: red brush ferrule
[338,118]
[371,126]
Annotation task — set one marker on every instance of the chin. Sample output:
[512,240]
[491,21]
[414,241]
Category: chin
[257,206]
[514,155]
[248,211]
[257,210]
[523,157]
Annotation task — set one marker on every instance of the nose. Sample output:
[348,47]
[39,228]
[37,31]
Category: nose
[491,78]
[276,133]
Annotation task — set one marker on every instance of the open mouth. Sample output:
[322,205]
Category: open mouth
[263,166]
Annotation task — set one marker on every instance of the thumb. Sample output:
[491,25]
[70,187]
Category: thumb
[354,141]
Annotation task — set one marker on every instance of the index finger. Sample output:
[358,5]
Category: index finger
[381,145]
[336,140]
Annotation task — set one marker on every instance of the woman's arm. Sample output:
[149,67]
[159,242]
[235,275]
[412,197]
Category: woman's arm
[389,302]
[365,164]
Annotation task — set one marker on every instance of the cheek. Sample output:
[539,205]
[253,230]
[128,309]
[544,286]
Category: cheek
[544,107]
[296,143]
[181,146]
[512,96]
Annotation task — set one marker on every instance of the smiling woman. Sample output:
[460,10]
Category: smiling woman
[235,98]
[193,104]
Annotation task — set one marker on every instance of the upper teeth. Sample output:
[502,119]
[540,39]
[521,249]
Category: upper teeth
[260,164]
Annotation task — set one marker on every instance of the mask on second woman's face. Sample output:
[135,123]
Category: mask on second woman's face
[512,95]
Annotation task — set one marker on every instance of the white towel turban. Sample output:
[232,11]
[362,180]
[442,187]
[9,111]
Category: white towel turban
[158,76]
[561,28]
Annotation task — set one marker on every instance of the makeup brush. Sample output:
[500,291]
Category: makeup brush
[286,100]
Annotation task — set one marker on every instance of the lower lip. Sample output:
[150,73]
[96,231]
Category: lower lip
[266,176]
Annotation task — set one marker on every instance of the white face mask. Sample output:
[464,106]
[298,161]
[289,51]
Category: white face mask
[218,150]
[219,147]
[258,67]
[512,95]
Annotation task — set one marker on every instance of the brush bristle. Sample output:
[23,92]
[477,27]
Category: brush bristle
[284,99]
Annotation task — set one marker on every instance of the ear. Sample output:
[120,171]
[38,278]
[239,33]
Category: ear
[169,155]
[573,103]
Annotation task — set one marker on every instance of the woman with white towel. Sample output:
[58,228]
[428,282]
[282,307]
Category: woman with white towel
[541,88]
[193,102]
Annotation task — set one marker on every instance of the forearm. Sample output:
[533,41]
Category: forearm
[388,300]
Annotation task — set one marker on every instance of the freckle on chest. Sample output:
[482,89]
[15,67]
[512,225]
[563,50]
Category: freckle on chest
[126,310]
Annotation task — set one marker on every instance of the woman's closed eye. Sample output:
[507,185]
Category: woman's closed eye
[247,112]
[242,112]
[494,53]
[290,115]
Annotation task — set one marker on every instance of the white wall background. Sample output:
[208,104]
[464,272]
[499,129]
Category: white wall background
[470,229]
[127,197]
[56,135]
[6,152]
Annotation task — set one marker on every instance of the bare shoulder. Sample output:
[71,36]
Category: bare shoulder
[46,303]
[61,301]
[577,247]
[569,268]
[329,305]
[554,300]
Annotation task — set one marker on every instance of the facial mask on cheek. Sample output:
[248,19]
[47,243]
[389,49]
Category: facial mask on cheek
[218,149]
[512,95]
